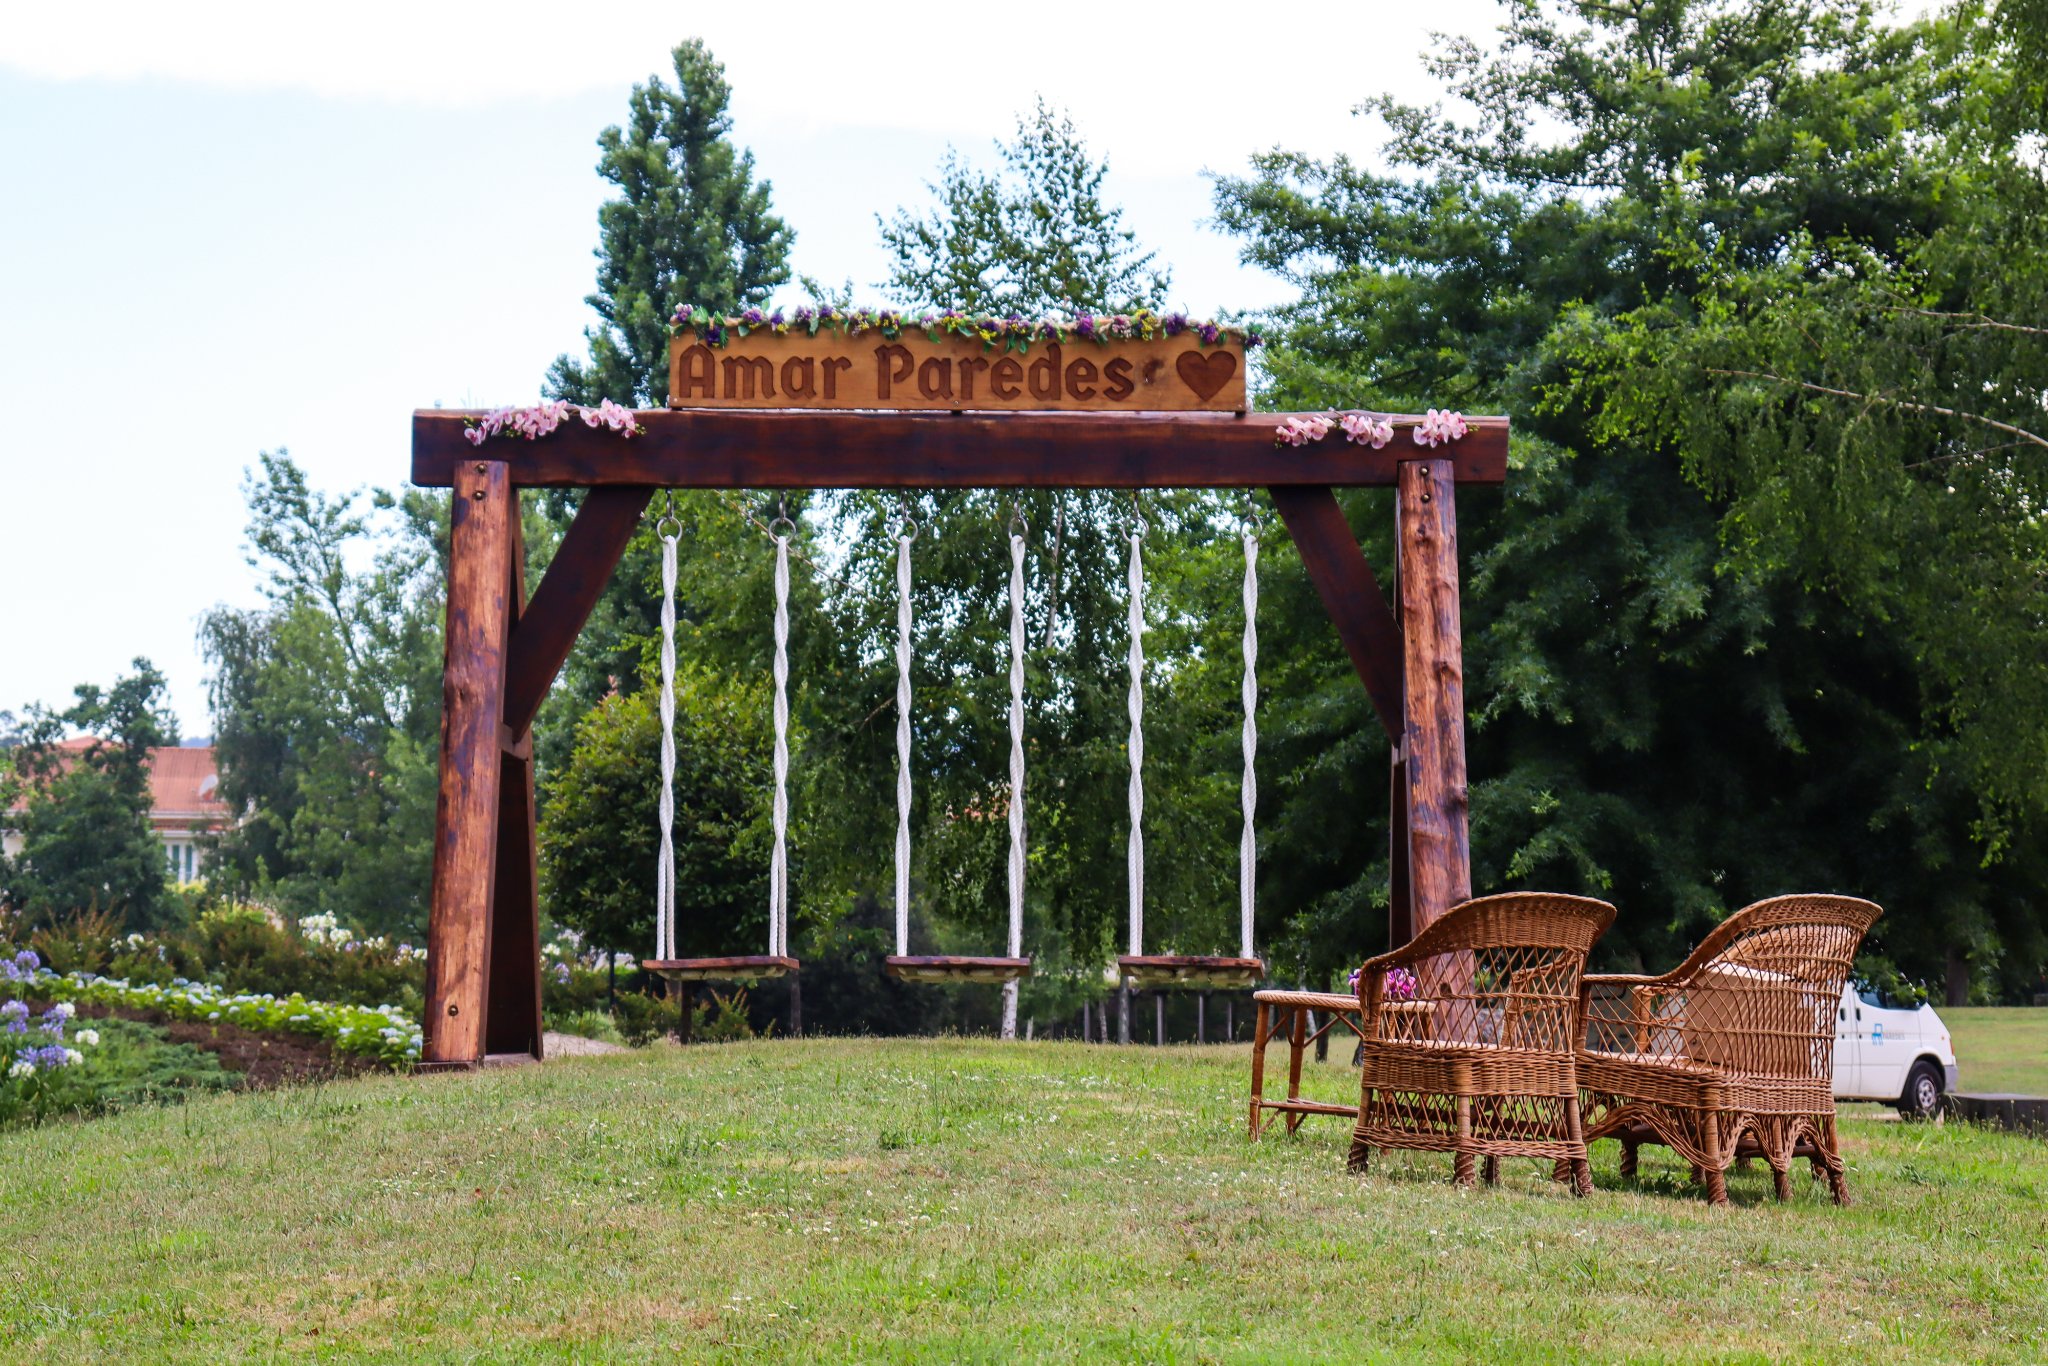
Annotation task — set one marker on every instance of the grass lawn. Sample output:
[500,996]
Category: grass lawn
[947,1200]
[2000,1048]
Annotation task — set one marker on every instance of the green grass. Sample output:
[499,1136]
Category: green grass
[960,1200]
[2000,1048]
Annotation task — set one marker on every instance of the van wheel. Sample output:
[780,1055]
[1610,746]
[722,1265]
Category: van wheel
[1922,1098]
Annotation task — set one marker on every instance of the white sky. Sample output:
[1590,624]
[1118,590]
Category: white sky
[233,227]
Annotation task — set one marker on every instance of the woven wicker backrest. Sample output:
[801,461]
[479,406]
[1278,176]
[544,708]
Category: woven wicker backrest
[1756,999]
[1502,971]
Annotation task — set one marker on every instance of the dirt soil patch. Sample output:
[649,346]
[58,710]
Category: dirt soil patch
[264,1060]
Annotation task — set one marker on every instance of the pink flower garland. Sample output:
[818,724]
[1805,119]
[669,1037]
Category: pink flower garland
[543,417]
[1438,426]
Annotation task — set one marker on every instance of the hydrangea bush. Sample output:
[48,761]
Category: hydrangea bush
[383,1032]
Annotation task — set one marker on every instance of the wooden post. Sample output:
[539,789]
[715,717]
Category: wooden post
[467,812]
[1400,894]
[512,1013]
[1159,1019]
[1433,742]
[1202,1018]
[1229,1019]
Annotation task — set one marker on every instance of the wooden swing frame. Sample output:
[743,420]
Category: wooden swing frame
[504,650]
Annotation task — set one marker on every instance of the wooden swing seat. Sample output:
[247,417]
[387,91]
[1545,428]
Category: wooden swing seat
[942,967]
[745,968]
[1190,970]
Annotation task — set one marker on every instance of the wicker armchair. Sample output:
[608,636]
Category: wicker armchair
[1478,1058]
[1730,1054]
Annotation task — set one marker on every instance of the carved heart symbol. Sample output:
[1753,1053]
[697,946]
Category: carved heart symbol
[1206,375]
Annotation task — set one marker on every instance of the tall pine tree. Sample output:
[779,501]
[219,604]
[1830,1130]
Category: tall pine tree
[690,224]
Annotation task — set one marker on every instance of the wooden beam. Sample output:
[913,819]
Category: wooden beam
[546,631]
[467,811]
[1400,892]
[1350,594]
[512,1015]
[811,449]
[1439,851]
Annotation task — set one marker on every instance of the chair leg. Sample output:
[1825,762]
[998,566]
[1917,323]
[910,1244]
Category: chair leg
[1717,1178]
[1261,1031]
[1574,1126]
[1297,1046]
[1781,1183]
[1628,1156]
[1462,1164]
[1489,1170]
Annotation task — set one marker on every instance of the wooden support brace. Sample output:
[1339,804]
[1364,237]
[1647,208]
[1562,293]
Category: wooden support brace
[467,813]
[1349,592]
[1433,746]
[512,1015]
[546,630]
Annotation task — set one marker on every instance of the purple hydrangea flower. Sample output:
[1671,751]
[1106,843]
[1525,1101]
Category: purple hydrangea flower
[714,333]
[1120,325]
[804,316]
[752,317]
[775,318]
[1084,326]
[1209,333]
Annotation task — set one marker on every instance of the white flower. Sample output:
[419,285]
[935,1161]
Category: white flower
[63,1010]
[21,1069]
[89,1037]
[73,1057]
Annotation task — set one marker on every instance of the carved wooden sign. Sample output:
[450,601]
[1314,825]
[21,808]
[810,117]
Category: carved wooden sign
[765,369]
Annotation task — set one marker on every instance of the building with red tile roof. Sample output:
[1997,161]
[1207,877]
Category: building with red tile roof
[185,804]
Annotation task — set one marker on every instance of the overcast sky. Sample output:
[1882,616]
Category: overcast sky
[228,228]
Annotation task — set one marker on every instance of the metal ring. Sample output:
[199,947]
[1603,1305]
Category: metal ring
[1252,520]
[784,522]
[1019,524]
[907,529]
[667,520]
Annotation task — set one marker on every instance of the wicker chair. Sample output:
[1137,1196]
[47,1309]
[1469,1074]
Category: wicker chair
[1730,1054]
[1481,1060]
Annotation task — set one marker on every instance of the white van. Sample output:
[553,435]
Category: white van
[1891,1053]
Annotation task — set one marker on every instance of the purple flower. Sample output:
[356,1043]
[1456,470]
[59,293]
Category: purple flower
[1084,325]
[775,318]
[752,317]
[826,313]
[1252,337]
[714,334]
[52,1055]
[1174,323]
[1209,333]
[14,1011]
[804,316]
[683,315]
[1120,325]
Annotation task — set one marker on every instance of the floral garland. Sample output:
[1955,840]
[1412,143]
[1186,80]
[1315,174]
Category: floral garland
[543,417]
[1013,332]
[1438,427]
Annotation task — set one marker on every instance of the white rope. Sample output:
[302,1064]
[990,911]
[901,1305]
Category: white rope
[902,745]
[1248,847]
[1016,776]
[778,866]
[665,866]
[1136,853]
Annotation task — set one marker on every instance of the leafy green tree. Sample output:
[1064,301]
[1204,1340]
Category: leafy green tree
[598,837]
[327,701]
[84,822]
[690,225]
[1032,238]
[1658,716]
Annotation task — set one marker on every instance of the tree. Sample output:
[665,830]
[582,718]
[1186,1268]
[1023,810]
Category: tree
[1657,717]
[690,225]
[598,837]
[84,825]
[327,701]
[1031,239]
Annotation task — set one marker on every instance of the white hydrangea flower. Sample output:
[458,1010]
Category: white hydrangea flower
[73,1057]
[63,1010]
[20,1070]
[89,1037]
